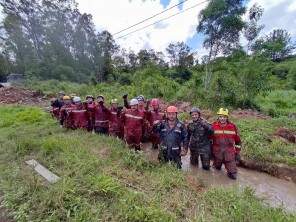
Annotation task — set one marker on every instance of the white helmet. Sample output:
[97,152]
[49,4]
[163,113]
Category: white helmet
[134,102]
[76,99]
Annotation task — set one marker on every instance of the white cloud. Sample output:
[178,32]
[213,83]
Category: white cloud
[278,14]
[115,15]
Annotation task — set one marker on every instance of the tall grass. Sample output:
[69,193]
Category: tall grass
[278,102]
[103,181]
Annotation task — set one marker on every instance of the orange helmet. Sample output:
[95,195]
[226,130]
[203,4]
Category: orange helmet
[154,102]
[172,109]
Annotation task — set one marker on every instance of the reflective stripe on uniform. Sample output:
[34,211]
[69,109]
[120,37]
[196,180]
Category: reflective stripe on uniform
[134,117]
[225,132]
[114,113]
[78,111]
[175,148]
[102,121]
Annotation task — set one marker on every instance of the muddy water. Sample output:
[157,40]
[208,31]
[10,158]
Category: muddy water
[274,191]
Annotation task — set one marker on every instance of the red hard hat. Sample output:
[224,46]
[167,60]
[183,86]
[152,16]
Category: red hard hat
[172,109]
[154,102]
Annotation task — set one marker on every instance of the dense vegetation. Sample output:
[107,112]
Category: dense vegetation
[102,180]
[57,48]
[47,40]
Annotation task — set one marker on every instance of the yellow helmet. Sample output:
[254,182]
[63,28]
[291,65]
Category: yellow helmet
[66,97]
[72,95]
[114,101]
[223,112]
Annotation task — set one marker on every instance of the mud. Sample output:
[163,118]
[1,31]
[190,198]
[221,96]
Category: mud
[277,170]
[274,191]
[286,134]
[248,113]
[14,95]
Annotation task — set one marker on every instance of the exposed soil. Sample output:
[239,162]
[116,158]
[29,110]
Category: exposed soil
[286,134]
[277,170]
[249,113]
[15,95]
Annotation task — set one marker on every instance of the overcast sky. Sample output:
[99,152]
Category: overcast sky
[115,15]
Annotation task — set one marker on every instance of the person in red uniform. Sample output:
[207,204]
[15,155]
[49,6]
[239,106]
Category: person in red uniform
[90,107]
[57,104]
[143,108]
[133,122]
[101,117]
[153,117]
[115,126]
[78,117]
[142,103]
[226,144]
[65,109]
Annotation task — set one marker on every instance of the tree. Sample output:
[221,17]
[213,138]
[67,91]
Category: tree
[221,23]
[132,60]
[40,35]
[180,55]
[252,29]
[4,67]
[150,57]
[276,46]
[106,47]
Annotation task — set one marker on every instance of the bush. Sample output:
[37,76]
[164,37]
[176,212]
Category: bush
[277,103]
[281,71]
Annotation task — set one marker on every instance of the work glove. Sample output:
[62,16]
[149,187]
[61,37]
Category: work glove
[237,158]
[125,96]
[237,154]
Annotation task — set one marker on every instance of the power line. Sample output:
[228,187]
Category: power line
[153,16]
[194,6]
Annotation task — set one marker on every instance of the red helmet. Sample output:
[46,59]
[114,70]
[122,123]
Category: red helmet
[154,102]
[172,109]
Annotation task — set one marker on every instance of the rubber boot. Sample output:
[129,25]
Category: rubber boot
[206,168]
[218,168]
[232,176]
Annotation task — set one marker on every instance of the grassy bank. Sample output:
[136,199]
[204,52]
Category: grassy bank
[103,181]
[278,103]
[261,144]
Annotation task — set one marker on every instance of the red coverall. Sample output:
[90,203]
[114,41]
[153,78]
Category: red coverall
[55,112]
[79,118]
[115,125]
[153,117]
[101,119]
[133,122]
[64,113]
[90,107]
[225,138]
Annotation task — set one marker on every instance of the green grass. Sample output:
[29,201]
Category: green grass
[260,143]
[278,102]
[103,181]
